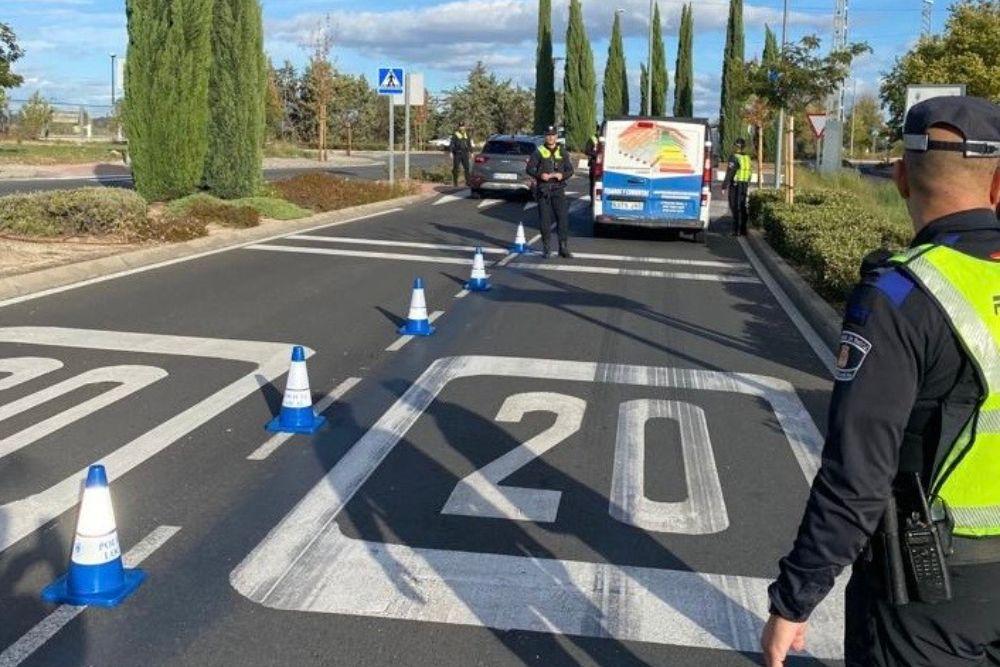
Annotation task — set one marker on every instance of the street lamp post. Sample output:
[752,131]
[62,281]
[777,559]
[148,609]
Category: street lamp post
[649,65]
[113,56]
[781,111]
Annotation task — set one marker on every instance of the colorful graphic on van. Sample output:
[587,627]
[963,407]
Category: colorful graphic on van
[663,149]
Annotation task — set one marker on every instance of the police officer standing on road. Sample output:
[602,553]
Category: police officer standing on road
[591,150]
[461,149]
[737,184]
[909,487]
[550,166]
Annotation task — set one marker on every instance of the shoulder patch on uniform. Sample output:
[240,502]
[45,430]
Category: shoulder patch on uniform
[896,285]
[853,351]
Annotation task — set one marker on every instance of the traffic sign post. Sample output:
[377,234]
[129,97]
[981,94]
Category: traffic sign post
[818,121]
[391,81]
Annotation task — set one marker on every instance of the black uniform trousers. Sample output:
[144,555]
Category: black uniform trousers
[738,193]
[553,207]
[960,633]
[457,160]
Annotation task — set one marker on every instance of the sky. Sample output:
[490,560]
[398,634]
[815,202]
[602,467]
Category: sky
[68,42]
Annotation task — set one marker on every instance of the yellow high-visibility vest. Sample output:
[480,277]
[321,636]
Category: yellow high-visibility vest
[745,171]
[546,153]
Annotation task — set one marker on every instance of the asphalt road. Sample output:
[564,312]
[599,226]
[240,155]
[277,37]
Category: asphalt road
[372,172]
[600,461]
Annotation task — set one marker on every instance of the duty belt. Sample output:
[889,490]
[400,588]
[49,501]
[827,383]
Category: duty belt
[973,551]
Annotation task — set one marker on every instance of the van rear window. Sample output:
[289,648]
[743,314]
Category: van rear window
[509,147]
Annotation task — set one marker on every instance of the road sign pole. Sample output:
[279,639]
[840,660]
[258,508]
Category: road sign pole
[406,132]
[392,140]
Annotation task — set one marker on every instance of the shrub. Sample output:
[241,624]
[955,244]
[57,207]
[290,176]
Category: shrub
[172,227]
[274,208]
[322,192]
[223,213]
[85,211]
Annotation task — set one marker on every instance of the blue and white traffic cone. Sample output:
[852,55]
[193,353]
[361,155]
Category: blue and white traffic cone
[96,574]
[417,323]
[520,242]
[479,282]
[297,414]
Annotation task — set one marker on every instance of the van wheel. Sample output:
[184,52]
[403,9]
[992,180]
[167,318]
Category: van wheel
[601,230]
[701,237]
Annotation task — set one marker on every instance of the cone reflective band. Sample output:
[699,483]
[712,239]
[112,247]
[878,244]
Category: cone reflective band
[520,242]
[478,282]
[417,323]
[297,414]
[96,574]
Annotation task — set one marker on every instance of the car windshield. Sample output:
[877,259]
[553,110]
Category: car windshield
[498,147]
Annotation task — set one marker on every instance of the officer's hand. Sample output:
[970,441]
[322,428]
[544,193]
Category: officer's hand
[779,637]
[557,176]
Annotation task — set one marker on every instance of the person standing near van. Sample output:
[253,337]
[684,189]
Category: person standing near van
[737,184]
[461,149]
[550,166]
[591,151]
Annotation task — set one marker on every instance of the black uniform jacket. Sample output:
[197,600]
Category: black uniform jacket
[538,165]
[904,390]
[460,145]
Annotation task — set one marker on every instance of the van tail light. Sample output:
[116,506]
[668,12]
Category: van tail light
[599,161]
[645,124]
[482,159]
[706,175]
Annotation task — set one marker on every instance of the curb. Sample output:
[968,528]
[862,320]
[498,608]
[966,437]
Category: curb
[27,284]
[820,315]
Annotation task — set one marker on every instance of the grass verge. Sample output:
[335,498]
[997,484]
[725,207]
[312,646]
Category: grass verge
[38,153]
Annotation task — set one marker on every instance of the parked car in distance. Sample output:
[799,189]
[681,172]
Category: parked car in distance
[502,164]
[443,144]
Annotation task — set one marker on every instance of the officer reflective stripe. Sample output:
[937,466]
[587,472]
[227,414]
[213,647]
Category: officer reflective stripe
[547,154]
[976,516]
[745,170]
[462,135]
[989,422]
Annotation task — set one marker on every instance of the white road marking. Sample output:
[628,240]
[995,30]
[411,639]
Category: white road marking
[307,564]
[480,493]
[822,350]
[639,259]
[403,340]
[363,253]
[642,273]
[170,262]
[462,294]
[447,199]
[703,512]
[486,203]
[25,369]
[510,258]
[278,439]
[398,244]
[20,518]
[530,205]
[128,380]
[47,628]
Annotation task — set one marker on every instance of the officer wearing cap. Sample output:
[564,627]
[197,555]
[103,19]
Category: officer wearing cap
[737,184]
[909,487]
[550,166]
[461,149]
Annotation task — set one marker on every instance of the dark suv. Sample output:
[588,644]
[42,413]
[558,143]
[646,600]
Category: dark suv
[502,163]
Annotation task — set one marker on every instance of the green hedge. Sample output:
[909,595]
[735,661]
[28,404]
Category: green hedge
[85,211]
[826,234]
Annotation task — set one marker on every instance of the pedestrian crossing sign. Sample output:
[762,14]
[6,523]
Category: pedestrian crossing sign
[390,81]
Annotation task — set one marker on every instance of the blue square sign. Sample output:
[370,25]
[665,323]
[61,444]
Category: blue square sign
[390,80]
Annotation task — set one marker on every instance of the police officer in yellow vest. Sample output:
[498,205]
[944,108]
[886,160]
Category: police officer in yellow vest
[461,149]
[737,184]
[592,149]
[551,167]
[909,487]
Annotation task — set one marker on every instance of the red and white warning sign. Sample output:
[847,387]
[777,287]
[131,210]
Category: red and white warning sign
[817,121]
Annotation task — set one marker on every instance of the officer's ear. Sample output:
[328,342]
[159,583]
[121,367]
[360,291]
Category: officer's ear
[995,189]
[901,178]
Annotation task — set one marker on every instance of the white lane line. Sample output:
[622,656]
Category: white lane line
[486,203]
[25,369]
[362,253]
[462,294]
[398,244]
[461,194]
[403,340]
[142,269]
[47,628]
[637,259]
[278,439]
[814,340]
[510,258]
[530,205]
[642,273]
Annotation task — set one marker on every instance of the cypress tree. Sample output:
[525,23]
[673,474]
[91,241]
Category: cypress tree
[545,83]
[771,56]
[580,99]
[615,76]
[643,87]
[733,95]
[166,94]
[236,98]
[684,73]
[661,80]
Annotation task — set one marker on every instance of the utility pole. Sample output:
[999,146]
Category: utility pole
[649,65]
[833,136]
[781,111]
[854,116]
[926,18]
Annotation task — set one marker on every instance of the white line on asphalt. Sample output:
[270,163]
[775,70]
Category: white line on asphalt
[461,194]
[398,244]
[47,628]
[403,340]
[510,258]
[642,273]
[142,269]
[462,294]
[25,369]
[362,253]
[530,205]
[814,340]
[322,404]
[636,259]
[99,179]
[486,203]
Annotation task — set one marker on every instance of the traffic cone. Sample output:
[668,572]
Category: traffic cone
[479,282]
[520,242]
[417,323]
[96,574]
[297,414]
